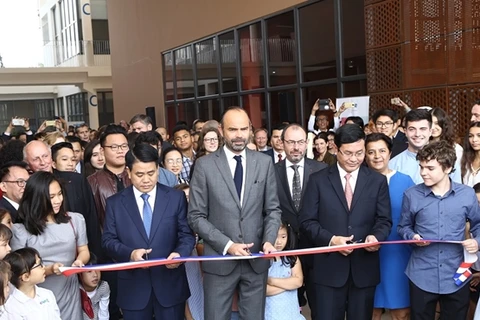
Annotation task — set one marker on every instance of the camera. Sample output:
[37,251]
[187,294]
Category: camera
[325,103]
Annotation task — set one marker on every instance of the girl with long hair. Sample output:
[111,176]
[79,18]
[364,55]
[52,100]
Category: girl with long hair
[470,163]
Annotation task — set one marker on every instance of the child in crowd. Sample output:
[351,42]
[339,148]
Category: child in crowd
[95,293]
[6,218]
[284,278]
[5,236]
[28,301]
[5,275]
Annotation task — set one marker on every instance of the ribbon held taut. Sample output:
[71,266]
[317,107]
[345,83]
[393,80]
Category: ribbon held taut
[460,276]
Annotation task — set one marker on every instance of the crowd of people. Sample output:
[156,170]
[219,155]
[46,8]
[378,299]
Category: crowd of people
[74,196]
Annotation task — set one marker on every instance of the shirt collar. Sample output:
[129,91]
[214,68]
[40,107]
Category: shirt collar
[354,174]
[22,297]
[301,164]
[137,193]
[453,189]
[230,154]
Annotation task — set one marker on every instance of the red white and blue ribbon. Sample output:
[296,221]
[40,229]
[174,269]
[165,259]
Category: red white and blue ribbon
[462,274]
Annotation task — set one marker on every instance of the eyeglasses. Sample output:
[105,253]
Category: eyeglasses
[115,147]
[384,124]
[21,183]
[172,161]
[210,140]
[40,264]
[349,154]
[292,142]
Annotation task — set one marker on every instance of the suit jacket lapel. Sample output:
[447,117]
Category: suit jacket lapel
[282,174]
[334,177]
[224,169]
[250,167]
[161,203]
[130,204]
[360,185]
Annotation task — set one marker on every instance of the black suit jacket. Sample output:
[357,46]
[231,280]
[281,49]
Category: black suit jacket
[270,153]
[79,198]
[4,204]
[400,144]
[325,213]
[289,213]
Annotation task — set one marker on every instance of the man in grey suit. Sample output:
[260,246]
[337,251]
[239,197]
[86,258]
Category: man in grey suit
[293,174]
[234,207]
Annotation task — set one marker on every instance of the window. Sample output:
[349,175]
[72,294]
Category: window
[275,67]
[317,30]
[184,72]
[228,61]
[251,56]
[207,73]
[281,47]
[77,107]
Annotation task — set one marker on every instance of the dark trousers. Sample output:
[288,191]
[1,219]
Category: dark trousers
[452,306]
[176,312]
[333,303]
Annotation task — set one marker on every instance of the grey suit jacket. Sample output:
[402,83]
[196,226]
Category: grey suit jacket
[215,212]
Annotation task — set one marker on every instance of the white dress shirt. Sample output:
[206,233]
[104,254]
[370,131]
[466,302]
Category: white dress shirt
[291,172]
[353,178]
[275,155]
[140,202]
[42,307]
[232,163]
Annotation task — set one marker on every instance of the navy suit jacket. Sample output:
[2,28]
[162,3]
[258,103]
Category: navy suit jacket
[124,232]
[325,213]
[4,204]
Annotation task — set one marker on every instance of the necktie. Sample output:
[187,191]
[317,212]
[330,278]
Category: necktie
[348,190]
[238,176]
[296,187]
[279,157]
[147,214]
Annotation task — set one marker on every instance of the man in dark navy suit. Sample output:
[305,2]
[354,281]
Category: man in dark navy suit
[148,221]
[346,202]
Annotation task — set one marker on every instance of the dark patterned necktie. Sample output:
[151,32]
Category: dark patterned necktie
[296,187]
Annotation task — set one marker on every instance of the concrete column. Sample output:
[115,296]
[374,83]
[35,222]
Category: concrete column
[93,109]
[87,32]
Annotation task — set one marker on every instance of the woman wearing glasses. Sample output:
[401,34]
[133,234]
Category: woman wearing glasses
[59,236]
[210,140]
[172,161]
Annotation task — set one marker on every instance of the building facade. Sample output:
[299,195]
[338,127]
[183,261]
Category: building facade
[275,58]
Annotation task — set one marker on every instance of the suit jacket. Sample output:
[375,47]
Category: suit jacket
[325,213]
[215,212]
[79,198]
[289,213]
[124,232]
[400,144]
[270,153]
[4,204]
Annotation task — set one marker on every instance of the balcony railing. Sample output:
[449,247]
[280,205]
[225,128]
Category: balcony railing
[279,50]
[86,53]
